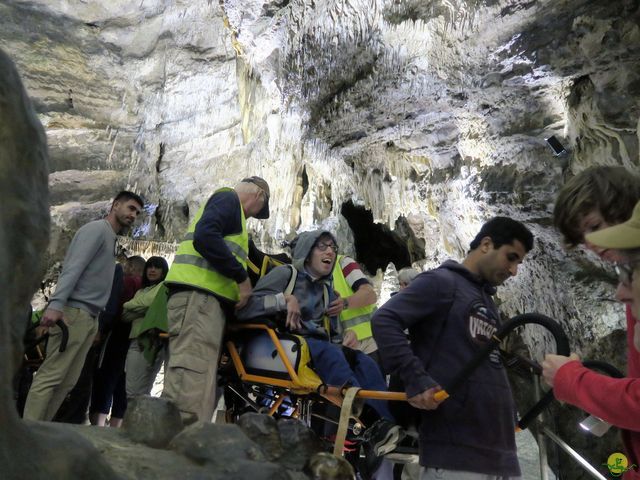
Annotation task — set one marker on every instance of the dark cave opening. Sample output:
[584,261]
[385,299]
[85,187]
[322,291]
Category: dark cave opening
[376,245]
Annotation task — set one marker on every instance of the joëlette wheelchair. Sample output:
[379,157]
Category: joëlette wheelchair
[267,371]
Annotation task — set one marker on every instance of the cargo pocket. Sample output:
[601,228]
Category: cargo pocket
[189,381]
[177,311]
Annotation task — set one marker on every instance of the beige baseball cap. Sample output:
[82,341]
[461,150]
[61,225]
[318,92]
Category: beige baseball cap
[623,236]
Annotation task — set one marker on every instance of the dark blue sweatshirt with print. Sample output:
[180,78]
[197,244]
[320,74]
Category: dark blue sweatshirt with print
[449,313]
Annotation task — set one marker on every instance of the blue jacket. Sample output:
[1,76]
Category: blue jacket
[221,217]
[449,313]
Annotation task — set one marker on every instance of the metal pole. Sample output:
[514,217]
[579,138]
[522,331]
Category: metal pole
[542,444]
[575,455]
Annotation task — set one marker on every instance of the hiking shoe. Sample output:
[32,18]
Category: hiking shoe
[384,436]
[368,463]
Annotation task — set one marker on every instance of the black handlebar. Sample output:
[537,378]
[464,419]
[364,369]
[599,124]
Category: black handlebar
[65,335]
[63,341]
[562,344]
[548,397]
[562,348]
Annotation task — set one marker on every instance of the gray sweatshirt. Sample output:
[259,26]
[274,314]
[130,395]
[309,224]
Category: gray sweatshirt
[268,300]
[87,271]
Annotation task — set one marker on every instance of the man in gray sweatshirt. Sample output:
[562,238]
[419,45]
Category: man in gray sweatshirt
[81,293]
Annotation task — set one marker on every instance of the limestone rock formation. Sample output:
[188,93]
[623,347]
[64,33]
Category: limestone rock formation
[407,122]
[42,450]
[208,451]
[27,450]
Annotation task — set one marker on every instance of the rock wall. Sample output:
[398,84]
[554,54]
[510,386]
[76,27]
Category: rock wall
[153,443]
[26,451]
[413,121]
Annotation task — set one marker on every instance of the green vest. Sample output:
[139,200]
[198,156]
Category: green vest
[356,319]
[191,268]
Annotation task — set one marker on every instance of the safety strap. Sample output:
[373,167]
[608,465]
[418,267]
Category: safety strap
[266,262]
[254,268]
[346,412]
[292,280]
[269,261]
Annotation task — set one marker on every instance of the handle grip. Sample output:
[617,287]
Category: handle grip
[65,335]
[441,395]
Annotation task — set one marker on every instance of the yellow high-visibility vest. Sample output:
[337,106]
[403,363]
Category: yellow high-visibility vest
[356,319]
[191,268]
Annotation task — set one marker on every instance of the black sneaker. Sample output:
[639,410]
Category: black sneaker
[368,463]
[384,436]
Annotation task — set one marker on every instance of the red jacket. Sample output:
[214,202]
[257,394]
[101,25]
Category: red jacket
[615,400]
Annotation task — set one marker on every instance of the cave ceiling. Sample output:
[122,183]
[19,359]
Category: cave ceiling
[424,118]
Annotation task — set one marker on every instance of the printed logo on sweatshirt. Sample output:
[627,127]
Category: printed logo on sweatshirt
[481,324]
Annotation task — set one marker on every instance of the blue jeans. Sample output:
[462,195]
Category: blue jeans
[332,367]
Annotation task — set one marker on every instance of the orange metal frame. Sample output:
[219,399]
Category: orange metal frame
[333,393]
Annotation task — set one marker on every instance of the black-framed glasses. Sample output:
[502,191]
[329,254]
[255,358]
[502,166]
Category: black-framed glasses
[323,246]
[625,271]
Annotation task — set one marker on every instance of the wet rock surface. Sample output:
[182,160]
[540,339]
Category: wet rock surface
[216,444]
[251,449]
[299,444]
[152,421]
[263,430]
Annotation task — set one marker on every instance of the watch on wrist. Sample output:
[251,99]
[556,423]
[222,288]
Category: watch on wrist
[345,303]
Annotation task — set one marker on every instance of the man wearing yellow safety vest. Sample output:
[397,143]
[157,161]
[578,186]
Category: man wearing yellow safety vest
[207,280]
[359,299]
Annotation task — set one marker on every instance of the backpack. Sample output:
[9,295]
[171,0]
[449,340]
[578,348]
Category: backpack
[260,263]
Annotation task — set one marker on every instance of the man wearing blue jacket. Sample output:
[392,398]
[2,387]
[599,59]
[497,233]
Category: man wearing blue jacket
[450,314]
[207,281]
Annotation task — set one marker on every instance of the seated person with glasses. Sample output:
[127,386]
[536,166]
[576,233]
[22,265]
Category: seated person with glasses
[311,315]
[614,400]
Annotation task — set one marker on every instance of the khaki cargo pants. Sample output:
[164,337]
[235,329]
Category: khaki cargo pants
[196,326]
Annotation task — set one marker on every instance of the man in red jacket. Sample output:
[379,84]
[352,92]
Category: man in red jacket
[588,204]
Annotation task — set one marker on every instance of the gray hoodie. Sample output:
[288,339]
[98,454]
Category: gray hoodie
[267,300]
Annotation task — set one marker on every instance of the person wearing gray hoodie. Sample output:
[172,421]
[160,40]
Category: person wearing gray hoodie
[305,310]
